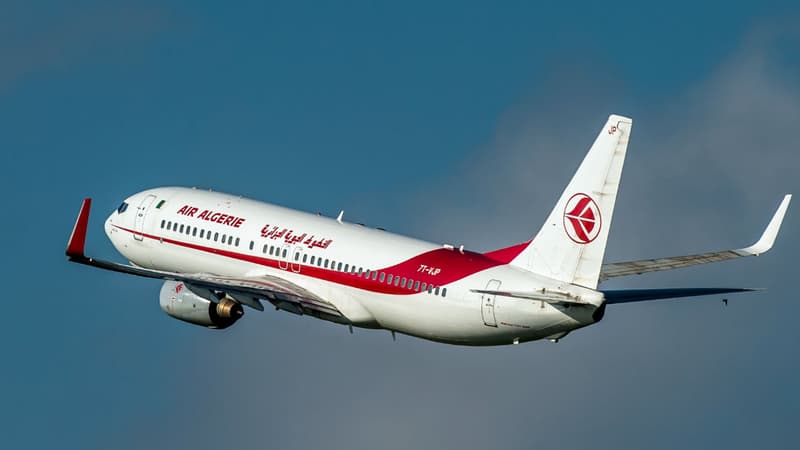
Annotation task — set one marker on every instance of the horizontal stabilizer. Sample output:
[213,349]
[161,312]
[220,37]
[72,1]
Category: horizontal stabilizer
[541,295]
[641,295]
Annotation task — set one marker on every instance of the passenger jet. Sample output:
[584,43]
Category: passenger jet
[218,253]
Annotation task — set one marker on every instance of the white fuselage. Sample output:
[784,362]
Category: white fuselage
[182,230]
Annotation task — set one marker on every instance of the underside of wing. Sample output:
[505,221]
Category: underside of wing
[246,290]
[622,269]
[640,295]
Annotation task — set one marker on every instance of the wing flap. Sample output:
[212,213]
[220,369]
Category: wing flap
[265,287]
[638,267]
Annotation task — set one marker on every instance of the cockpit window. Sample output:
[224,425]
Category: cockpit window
[122,208]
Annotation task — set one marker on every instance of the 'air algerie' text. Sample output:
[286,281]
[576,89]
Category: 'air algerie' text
[211,216]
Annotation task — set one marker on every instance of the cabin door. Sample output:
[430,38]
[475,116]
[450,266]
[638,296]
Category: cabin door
[141,212]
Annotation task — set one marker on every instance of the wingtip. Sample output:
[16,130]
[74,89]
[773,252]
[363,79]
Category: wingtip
[771,232]
[77,240]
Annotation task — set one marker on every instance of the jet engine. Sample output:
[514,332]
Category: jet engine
[178,301]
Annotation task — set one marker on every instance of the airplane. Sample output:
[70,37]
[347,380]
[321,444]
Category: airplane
[218,252]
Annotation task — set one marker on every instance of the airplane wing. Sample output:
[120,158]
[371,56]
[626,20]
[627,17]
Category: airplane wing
[622,269]
[246,290]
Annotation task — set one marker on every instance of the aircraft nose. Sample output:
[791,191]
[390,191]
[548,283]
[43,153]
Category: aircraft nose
[109,224]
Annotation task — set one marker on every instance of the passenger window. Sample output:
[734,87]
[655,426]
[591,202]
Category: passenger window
[403,282]
[284,253]
[347,267]
[312,260]
[162,223]
[264,250]
[383,277]
[296,256]
[424,286]
[271,249]
[224,237]
[169,225]
[202,231]
[175,226]
[339,267]
[416,286]
[181,230]
[326,263]
[396,281]
[389,279]
[436,291]
[237,242]
[194,231]
[444,292]
[252,244]
[367,274]
[216,237]
[374,276]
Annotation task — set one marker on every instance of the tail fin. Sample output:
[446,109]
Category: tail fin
[570,245]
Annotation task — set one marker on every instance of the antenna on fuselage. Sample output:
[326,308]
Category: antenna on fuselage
[341,214]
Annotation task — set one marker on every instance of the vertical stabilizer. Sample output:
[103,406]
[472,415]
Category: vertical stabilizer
[571,243]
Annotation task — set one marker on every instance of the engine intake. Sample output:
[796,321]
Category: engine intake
[181,303]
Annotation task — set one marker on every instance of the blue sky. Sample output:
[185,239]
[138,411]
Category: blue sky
[455,121]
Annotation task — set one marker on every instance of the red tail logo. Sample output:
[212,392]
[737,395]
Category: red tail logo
[582,220]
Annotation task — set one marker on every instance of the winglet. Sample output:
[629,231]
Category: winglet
[771,232]
[77,240]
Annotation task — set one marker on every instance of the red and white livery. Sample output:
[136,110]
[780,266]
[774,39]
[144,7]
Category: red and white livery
[219,252]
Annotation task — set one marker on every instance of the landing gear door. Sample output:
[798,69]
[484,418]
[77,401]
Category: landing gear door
[487,304]
[141,213]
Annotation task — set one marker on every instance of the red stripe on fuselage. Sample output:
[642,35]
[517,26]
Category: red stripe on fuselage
[454,266]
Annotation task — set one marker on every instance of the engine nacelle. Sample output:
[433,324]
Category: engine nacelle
[183,304]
